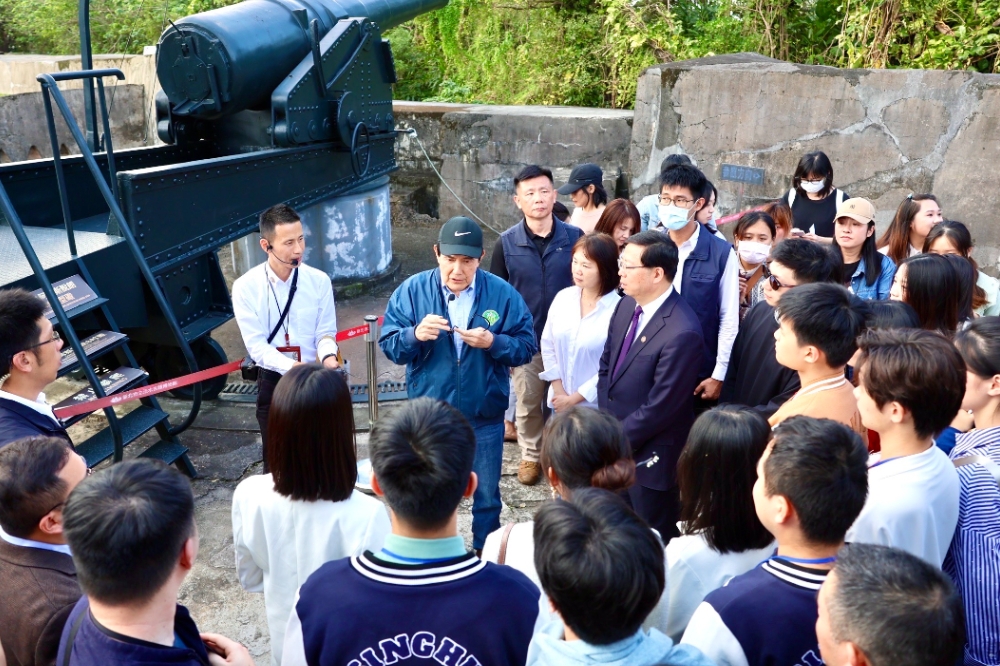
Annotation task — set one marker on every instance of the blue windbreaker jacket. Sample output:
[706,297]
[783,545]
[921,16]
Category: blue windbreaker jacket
[477,383]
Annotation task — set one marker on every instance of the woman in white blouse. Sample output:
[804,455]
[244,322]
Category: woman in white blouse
[577,327]
[305,513]
[721,536]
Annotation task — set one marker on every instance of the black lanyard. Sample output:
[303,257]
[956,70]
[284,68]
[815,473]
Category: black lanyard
[288,305]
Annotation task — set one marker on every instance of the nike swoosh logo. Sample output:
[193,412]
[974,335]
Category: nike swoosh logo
[464,233]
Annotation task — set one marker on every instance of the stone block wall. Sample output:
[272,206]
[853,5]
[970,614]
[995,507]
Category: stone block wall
[478,149]
[887,132]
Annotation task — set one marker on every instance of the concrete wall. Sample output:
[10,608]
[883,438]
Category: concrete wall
[18,72]
[887,132]
[478,149]
[24,130]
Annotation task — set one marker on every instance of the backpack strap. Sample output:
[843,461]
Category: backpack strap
[502,555]
[791,197]
[990,466]
[840,197]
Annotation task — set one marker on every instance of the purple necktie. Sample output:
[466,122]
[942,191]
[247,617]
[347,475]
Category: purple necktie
[629,339]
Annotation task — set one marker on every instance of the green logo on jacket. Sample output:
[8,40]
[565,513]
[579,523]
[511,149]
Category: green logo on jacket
[491,316]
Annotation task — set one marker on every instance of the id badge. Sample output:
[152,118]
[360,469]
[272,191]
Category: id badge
[294,353]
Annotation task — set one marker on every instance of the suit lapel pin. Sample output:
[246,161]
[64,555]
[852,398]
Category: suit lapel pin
[642,339]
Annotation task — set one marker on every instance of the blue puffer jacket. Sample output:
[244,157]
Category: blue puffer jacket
[477,383]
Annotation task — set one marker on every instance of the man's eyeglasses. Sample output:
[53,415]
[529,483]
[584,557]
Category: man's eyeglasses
[773,281]
[55,338]
[682,202]
[622,266]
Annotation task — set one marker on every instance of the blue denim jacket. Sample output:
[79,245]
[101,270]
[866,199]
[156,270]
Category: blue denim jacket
[879,291]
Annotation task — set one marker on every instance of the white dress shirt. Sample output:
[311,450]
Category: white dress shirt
[39,404]
[729,301]
[31,543]
[311,321]
[459,310]
[280,542]
[694,570]
[572,346]
[649,309]
[912,505]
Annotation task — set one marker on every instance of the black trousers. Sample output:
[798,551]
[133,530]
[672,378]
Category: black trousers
[659,508]
[266,381]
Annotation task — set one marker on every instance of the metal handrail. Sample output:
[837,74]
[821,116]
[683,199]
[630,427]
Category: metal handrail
[7,208]
[51,89]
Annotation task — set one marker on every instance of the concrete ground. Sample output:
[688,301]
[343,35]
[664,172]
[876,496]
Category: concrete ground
[224,445]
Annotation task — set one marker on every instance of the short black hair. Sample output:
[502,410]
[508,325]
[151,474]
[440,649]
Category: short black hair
[601,249]
[684,175]
[979,345]
[422,456]
[20,311]
[310,435]
[532,171]
[921,370]
[674,160]
[891,314]
[821,467]
[599,563]
[587,447]
[30,486]
[275,215]
[895,607]
[752,217]
[715,475]
[658,251]
[827,316]
[810,262]
[127,526]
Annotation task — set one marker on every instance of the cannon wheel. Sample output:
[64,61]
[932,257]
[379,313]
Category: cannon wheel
[361,149]
[169,362]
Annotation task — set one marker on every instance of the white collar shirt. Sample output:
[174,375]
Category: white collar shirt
[912,505]
[259,296]
[729,301]
[30,543]
[39,404]
[572,345]
[649,309]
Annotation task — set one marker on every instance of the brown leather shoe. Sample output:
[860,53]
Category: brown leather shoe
[529,472]
[509,431]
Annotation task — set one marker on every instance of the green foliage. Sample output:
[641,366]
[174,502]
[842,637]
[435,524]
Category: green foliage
[581,52]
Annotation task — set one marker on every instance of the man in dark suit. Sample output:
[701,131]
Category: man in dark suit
[37,575]
[648,373]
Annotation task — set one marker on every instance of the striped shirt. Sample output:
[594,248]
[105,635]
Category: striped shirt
[973,561]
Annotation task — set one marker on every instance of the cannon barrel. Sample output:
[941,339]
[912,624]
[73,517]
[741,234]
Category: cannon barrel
[230,59]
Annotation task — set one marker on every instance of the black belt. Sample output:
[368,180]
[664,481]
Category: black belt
[270,375]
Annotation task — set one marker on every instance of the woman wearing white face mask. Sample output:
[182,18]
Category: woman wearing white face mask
[813,198]
[754,236]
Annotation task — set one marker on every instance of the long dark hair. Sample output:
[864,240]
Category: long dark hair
[310,435]
[932,286]
[979,345]
[897,236]
[958,235]
[716,473]
[869,254]
[814,164]
[614,214]
[966,275]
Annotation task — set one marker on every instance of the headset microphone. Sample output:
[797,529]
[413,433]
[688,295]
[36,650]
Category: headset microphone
[293,263]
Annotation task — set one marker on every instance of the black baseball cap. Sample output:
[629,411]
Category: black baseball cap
[581,176]
[460,235]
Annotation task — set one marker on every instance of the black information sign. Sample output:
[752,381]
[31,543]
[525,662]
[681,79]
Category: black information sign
[71,292]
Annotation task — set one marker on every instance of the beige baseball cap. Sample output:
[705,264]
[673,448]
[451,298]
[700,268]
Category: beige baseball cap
[858,208]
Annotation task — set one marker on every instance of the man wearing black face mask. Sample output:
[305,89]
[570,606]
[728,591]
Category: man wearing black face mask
[284,309]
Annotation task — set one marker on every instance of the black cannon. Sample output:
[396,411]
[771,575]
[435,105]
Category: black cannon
[263,102]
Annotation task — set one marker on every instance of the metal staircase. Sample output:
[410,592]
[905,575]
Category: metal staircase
[106,343]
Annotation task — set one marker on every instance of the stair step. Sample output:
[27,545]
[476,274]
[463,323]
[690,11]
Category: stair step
[94,345]
[168,452]
[80,309]
[116,381]
[136,423]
